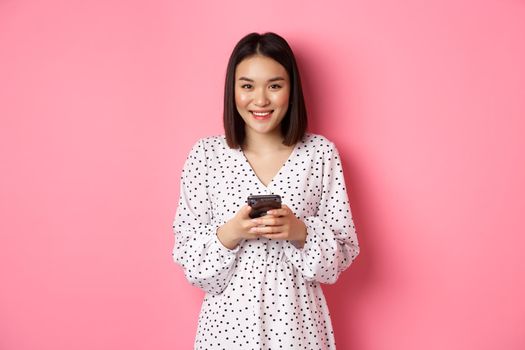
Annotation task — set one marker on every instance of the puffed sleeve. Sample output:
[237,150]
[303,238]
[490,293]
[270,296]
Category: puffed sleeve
[206,262]
[331,242]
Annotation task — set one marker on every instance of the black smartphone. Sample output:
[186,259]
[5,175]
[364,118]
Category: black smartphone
[261,203]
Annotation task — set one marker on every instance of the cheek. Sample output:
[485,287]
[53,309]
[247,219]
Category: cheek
[281,99]
[240,98]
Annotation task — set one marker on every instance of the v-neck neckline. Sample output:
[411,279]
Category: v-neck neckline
[283,166]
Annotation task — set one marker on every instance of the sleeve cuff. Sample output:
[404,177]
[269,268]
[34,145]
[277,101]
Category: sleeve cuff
[310,237]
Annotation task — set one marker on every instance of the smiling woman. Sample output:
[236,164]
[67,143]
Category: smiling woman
[261,276]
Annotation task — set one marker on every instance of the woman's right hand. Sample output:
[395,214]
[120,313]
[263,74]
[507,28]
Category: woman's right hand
[237,228]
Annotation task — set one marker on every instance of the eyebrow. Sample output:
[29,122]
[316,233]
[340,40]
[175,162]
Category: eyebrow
[269,80]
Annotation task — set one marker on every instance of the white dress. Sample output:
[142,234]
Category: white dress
[264,294]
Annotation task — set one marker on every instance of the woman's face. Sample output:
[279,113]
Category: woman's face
[262,92]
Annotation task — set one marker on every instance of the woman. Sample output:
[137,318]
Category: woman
[261,276]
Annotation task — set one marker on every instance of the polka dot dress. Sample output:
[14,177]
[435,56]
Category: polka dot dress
[264,294]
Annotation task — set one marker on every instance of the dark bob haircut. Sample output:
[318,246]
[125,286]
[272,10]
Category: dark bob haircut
[294,123]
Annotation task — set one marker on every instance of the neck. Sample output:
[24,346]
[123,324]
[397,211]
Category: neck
[263,142]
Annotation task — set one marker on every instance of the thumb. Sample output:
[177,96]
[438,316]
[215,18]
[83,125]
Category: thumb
[245,210]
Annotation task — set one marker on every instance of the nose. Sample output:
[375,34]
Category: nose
[260,98]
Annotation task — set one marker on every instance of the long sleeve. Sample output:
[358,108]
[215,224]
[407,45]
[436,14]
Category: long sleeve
[331,243]
[206,262]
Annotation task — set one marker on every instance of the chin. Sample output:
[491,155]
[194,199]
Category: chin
[265,130]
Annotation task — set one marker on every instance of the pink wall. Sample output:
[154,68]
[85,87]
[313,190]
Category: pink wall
[100,102]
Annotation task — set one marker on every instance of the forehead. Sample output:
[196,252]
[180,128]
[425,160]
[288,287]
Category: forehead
[260,68]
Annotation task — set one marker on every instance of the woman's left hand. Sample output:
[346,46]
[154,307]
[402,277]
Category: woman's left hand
[281,224]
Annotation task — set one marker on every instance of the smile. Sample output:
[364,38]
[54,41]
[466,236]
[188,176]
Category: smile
[262,115]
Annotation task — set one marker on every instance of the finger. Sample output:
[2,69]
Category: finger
[245,211]
[249,224]
[268,220]
[266,229]
[279,235]
[280,212]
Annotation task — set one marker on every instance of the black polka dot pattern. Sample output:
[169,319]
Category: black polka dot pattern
[264,294]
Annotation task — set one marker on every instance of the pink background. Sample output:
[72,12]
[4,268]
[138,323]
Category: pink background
[100,102]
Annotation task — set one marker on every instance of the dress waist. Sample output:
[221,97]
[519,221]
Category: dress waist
[262,251]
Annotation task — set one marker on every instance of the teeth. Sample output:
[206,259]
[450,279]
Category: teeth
[260,114]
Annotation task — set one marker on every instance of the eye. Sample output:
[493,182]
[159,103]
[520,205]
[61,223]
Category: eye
[246,86]
[275,86]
